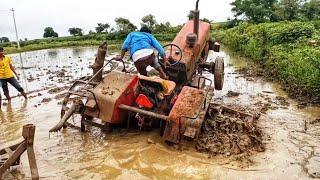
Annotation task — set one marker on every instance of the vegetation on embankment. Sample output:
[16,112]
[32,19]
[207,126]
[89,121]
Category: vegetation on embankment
[288,51]
[114,40]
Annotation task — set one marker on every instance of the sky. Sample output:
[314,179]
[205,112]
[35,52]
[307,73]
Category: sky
[32,16]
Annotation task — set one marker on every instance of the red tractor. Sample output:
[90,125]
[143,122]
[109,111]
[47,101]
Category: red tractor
[177,106]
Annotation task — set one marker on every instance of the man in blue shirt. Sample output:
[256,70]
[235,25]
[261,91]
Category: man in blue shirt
[141,46]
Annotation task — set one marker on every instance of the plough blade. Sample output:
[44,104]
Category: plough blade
[64,119]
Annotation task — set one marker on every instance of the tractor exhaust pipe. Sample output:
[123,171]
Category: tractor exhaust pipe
[196,19]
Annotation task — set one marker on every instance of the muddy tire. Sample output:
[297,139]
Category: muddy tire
[162,127]
[108,128]
[218,73]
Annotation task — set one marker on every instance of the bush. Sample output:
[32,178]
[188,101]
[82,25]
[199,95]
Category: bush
[283,48]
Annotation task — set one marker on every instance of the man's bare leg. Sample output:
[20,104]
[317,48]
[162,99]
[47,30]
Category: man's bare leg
[162,73]
[7,96]
[24,94]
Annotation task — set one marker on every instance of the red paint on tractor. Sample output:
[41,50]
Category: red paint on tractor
[143,101]
[190,55]
[126,98]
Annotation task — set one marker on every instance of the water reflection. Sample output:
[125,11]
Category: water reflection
[13,117]
[1,117]
[76,52]
[10,114]
[52,54]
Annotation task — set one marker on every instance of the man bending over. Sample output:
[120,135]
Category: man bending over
[141,46]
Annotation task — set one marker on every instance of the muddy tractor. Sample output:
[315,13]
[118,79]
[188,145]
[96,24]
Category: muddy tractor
[176,106]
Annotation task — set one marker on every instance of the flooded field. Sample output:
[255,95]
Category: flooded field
[291,133]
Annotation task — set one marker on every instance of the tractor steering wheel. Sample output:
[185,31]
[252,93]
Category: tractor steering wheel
[171,61]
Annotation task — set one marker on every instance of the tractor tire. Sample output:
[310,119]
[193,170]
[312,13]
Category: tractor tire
[218,73]
[108,128]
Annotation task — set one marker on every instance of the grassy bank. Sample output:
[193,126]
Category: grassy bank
[114,40]
[286,50]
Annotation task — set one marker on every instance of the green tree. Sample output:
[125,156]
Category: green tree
[190,15]
[162,27]
[75,31]
[102,27]
[112,30]
[149,21]
[206,20]
[256,11]
[4,40]
[311,10]
[49,32]
[289,9]
[124,26]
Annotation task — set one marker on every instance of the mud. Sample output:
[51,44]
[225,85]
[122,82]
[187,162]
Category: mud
[58,90]
[290,151]
[232,94]
[230,134]
[46,100]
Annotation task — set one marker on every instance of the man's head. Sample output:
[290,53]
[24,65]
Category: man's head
[145,29]
[1,51]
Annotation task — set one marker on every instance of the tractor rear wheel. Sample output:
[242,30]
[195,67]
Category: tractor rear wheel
[218,73]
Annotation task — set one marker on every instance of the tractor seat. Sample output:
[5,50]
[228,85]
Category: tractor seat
[167,86]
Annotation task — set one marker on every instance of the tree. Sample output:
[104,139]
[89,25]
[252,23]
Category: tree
[4,40]
[102,27]
[256,11]
[311,10]
[124,26]
[190,15]
[149,21]
[162,27]
[206,20]
[75,31]
[112,30]
[49,32]
[289,9]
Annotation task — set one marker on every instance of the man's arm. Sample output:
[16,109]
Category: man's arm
[124,49]
[126,43]
[123,52]
[13,70]
[155,43]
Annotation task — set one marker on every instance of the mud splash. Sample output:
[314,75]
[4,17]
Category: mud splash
[291,150]
[230,132]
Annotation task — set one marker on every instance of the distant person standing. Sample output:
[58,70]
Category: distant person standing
[7,73]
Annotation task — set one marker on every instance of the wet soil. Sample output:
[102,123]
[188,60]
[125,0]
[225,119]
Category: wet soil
[284,143]
[304,95]
[230,133]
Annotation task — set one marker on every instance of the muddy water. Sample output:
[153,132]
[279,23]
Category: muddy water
[291,152]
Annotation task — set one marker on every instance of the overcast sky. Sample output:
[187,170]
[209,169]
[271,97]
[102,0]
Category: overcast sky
[33,16]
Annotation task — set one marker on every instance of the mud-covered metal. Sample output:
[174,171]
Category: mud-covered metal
[115,88]
[188,104]
[183,71]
